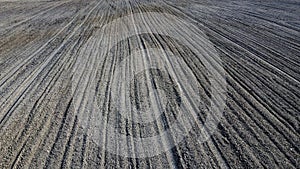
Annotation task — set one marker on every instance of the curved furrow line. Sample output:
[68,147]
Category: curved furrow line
[50,130]
[284,34]
[175,151]
[86,104]
[69,148]
[263,115]
[172,155]
[222,163]
[268,87]
[7,29]
[44,47]
[217,155]
[132,129]
[290,28]
[102,88]
[266,12]
[263,61]
[129,127]
[277,101]
[288,42]
[83,107]
[41,20]
[37,71]
[267,84]
[61,71]
[171,159]
[283,62]
[237,34]
[261,100]
[29,148]
[16,12]
[16,9]
[255,138]
[244,152]
[256,61]
[77,112]
[32,119]
[32,34]
[281,145]
[58,73]
[111,159]
[220,32]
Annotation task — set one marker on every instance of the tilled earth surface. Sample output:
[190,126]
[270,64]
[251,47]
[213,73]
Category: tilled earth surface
[76,76]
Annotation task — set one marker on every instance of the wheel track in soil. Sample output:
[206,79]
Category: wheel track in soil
[48,85]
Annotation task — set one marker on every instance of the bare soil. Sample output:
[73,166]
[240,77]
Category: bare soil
[62,67]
